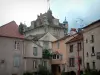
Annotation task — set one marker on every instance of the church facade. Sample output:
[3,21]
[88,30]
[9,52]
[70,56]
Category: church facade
[47,23]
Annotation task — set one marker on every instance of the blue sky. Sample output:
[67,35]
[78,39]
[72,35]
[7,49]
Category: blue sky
[77,12]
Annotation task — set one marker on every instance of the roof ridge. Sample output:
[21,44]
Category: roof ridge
[7,23]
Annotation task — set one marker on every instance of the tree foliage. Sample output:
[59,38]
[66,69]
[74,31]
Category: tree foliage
[46,54]
[27,73]
[21,28]
[43,70]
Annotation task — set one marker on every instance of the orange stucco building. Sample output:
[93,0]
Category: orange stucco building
[61,50]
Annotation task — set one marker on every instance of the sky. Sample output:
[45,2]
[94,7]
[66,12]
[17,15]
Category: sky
[78,13]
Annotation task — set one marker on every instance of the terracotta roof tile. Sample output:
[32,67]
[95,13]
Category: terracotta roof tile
[76,38]
[10,30]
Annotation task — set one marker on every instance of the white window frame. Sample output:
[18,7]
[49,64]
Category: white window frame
[35,51]
[17,45]
[34,64]
[16,61]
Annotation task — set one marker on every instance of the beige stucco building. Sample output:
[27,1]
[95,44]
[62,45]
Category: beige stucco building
[17,54]
[75,54]
[11,50]
[33,57]
[92,45]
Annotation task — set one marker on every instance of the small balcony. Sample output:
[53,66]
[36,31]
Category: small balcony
[56,58]
[56,61]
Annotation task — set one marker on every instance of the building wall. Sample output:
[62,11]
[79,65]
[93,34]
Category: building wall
[74,55]
[29,57]
[49,38]
[93,30]
[63,49]
[29,64]
[57,32]
[35,31]
[29,45]
[7,53]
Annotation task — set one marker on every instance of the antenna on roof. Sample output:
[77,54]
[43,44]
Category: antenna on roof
[80,22]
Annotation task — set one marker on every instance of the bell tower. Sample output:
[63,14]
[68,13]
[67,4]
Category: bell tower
[65,25]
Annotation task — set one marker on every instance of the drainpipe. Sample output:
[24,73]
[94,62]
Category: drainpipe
[78,61]
[83,56]
[23,56]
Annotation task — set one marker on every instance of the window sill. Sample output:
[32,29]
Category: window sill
[92,54]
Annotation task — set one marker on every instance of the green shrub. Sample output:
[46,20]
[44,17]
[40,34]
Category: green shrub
[27,73]
[92,72]
[43,71]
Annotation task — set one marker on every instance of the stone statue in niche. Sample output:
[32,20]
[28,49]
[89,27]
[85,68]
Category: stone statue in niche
[45,20]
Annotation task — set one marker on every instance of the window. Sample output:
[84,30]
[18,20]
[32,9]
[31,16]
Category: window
[58,44]
[54,56]
[35,51]
[79,46]
[80,61]
[86,40]
[87,54]
[92,49]
[71,62]
[46,44]
[88,66]
[98,55]
[92,38]
[2,61]
[16,61]
[93,65]
[34,64]
[17,45]
[93,53]
[71,48]
[57,56]
[44,63]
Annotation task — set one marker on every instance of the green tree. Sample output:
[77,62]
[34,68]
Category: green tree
[46,54]
[21,28]
[43,70]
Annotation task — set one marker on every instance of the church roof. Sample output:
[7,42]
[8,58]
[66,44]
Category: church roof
[10,30]
[54,26]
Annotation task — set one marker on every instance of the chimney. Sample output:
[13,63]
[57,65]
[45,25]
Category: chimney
[73,31]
